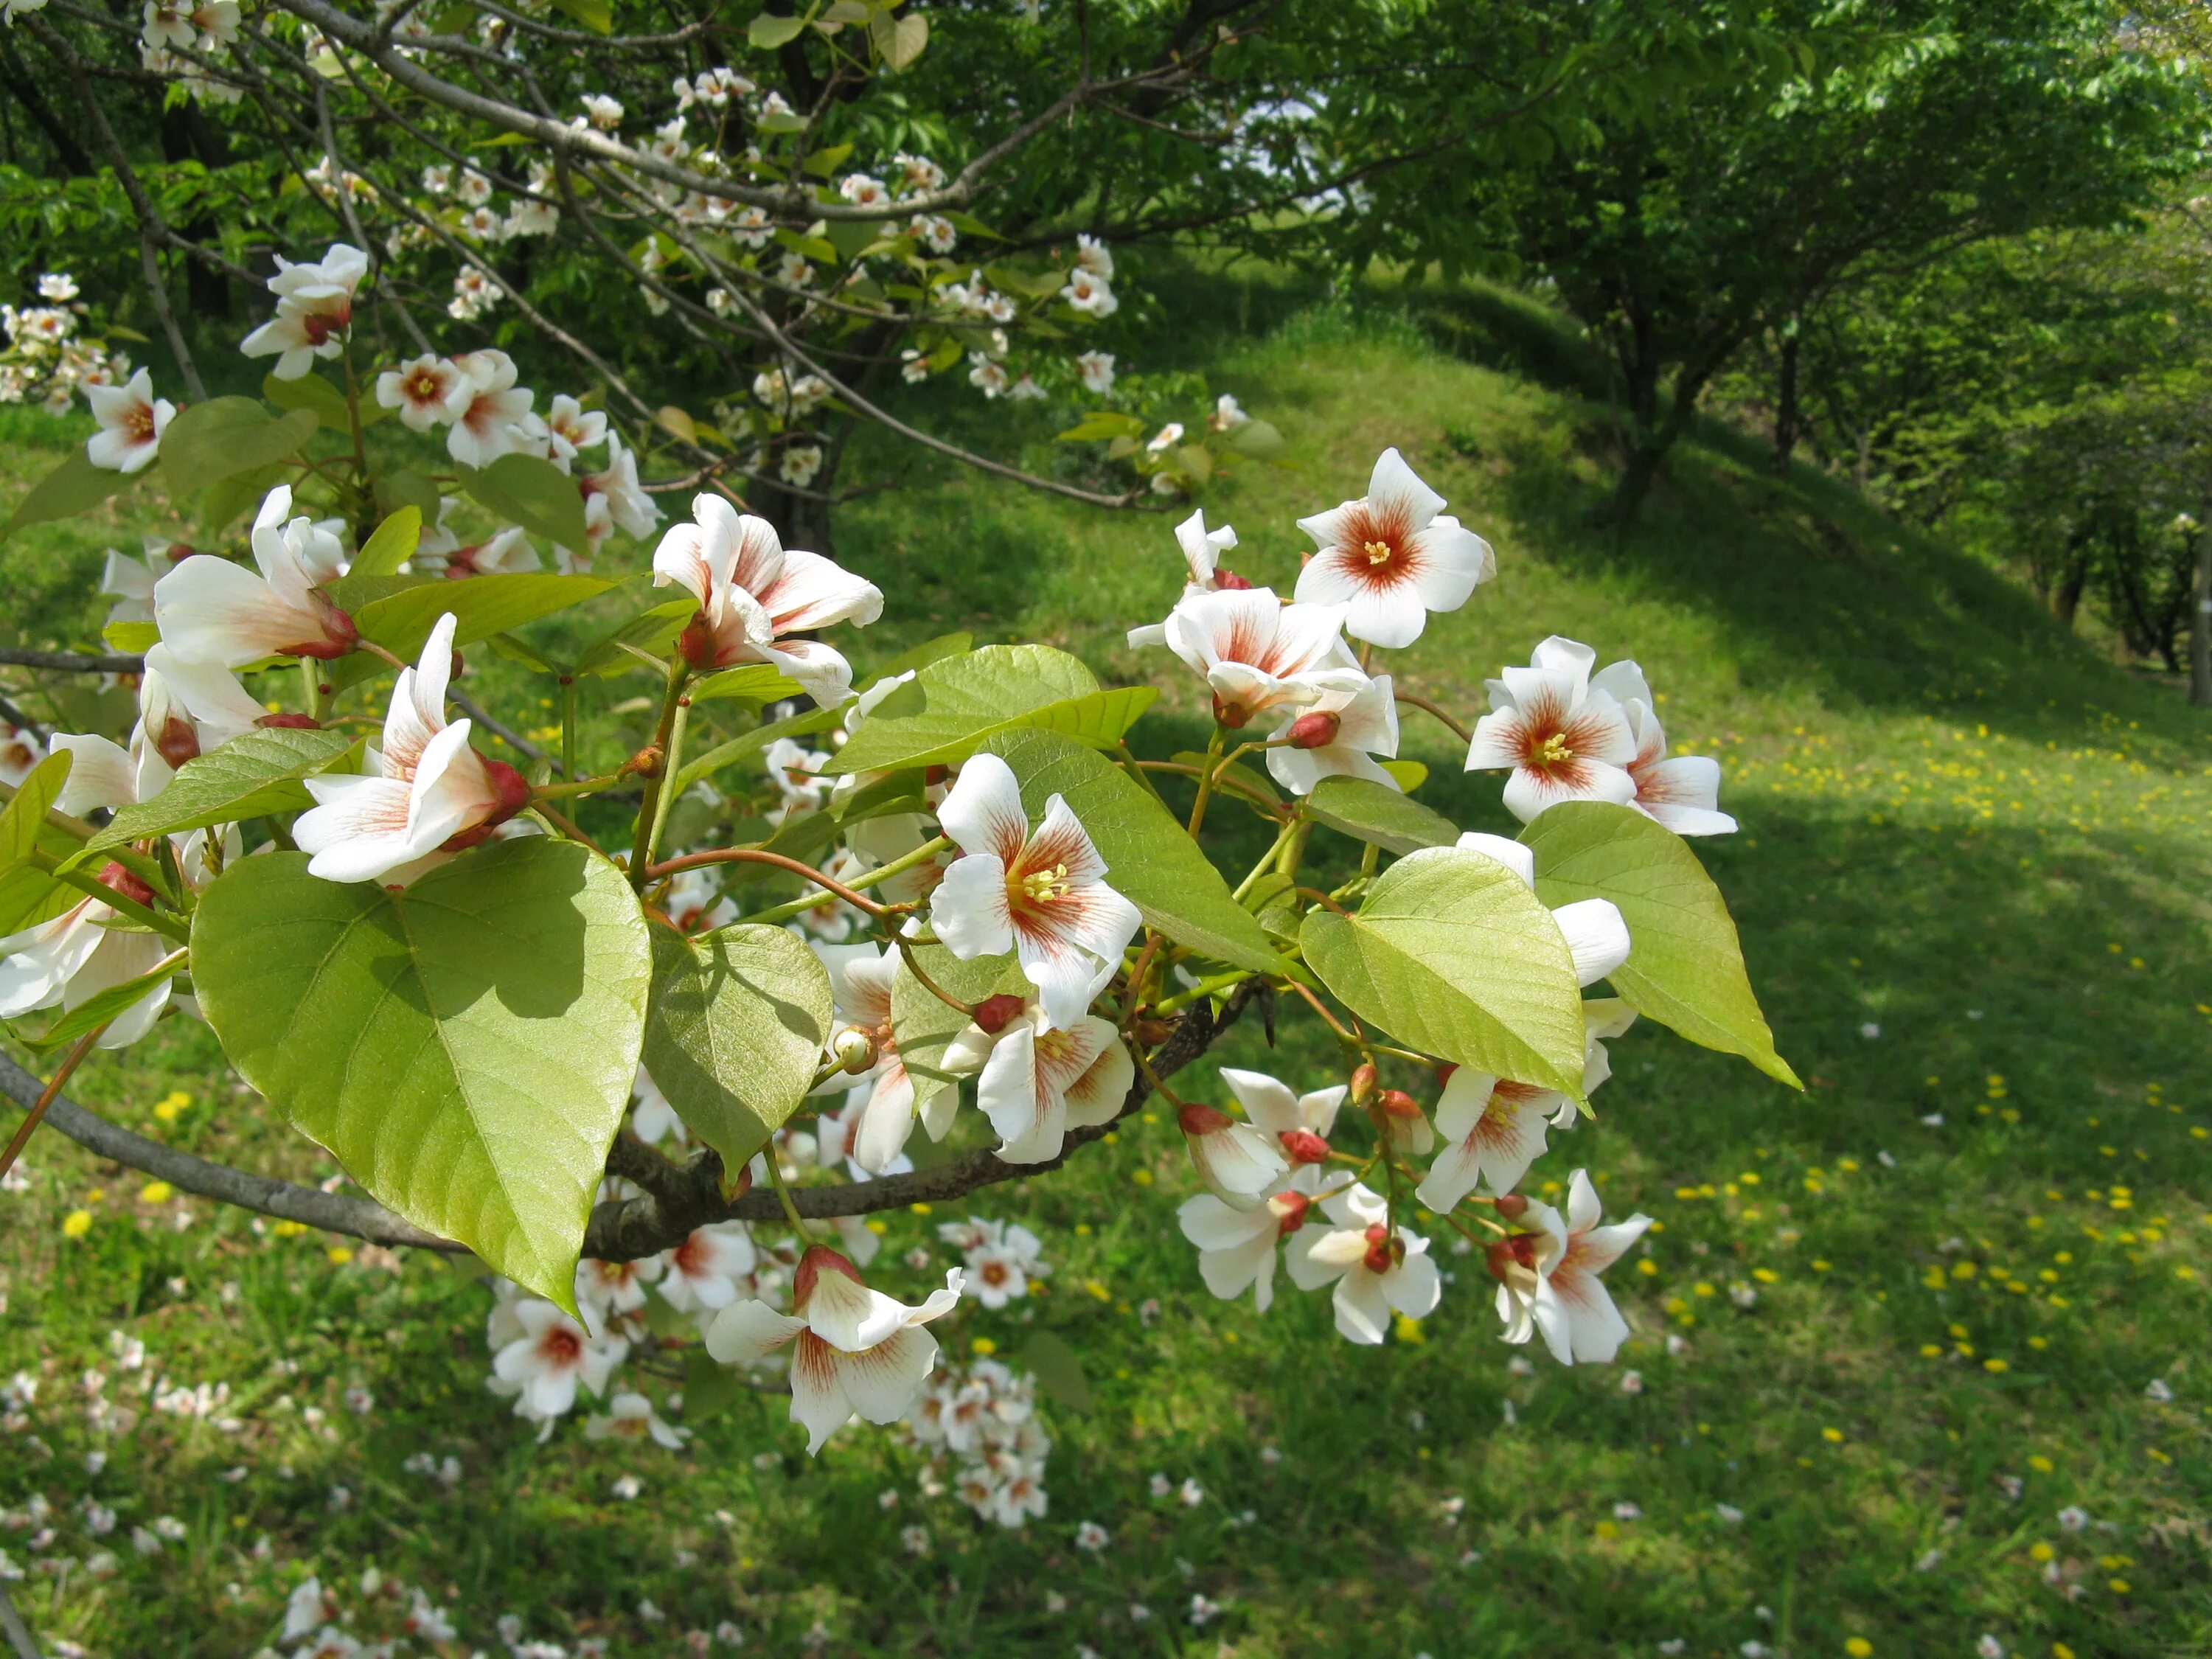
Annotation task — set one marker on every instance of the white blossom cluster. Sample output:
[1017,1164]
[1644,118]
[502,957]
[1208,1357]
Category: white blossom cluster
[323,1628]
[980,1423]
[49,358]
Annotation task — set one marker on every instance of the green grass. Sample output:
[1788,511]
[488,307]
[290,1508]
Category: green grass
[1959,827]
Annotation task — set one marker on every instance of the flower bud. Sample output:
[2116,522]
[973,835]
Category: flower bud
[697,642]
[1304,1146]
[933,776]
[854,1048]
[1444,1072]
[1290,1209]
[1363,1083]
[993,1013]
[1379,1257]
[647,762]
[180,551]
[1398,1103]
[1315,729]
[179,742]
[120,880]
[1230,580]
[1510,1204]
[269,722]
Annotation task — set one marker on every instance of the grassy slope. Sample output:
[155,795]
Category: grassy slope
[1959,827]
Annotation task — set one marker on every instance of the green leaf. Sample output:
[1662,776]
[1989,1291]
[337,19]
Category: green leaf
[465,1048]
[25,814]
[28,896]
[908,38]
[1454,955]
[311,391]
[756,681]
[1100,427]
[248,777]
[95,1011]
[534,494]
[768,31]
[481,606]
[391,546]
[226,498]
[750,743]
[738,1022]
[1368,812]
[522,651]
[1058,1369]
[1410,774]
[710,1388]
[1684,966]
[923,1023]
[595,15]
[73,487]
[131,638]
[1149,858]
[1258,438]
[652,631]
[405,487]
[951,707]
[224,435]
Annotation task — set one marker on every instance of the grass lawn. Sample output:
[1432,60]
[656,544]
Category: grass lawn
[1887,1330]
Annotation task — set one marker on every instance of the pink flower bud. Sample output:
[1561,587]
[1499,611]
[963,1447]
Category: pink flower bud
[1398,1103]
[1316,729]
[1304,1146]
[993,1013]
[115,877]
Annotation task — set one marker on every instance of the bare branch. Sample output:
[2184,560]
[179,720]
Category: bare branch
[70,662]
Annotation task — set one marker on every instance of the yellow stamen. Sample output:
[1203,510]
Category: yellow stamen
[1378,552]
[1553,751]
[1041,886]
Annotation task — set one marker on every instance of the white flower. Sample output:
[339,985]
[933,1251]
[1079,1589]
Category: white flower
[605,113]
[1493,1128]
[130,580]
[863,192]
[550,1357]
[799,464]
[1094,257]
[1549,1277]
[1236,1248]
[314,308]
[1261,657]
[860,978]
[1090,1536]
[431,792]
[57,287]
[1089,294]
[2073,1518]
[616,489]
[1682,793]
[1039,1078]
[131,421]
[652,1118]
[1042,896]
[428,391]
[1097,368]
[934,232]
[702,1273]
[613,1289]
[210,609]
[1240,1165]
[1228,415]
[1165,439]
[19,752]
[571,428]
[753,593]
[1375,1274]
[858,1351]
[1302,1123]
[489,411]
[72,958]
[1392,556]
[1337,734]
[306,1608]
[508,551]
[1564,737]
[991,377]
[630,1416]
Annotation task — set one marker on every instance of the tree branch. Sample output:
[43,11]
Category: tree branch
[72,662]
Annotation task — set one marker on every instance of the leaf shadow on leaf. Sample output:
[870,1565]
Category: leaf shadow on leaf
[541,977]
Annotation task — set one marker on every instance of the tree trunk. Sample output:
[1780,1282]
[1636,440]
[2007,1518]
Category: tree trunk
[2200,624]
[1785,404]
[2066,597]
[1653,444]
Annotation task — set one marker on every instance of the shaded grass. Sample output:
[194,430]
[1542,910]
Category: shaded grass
[1961,828]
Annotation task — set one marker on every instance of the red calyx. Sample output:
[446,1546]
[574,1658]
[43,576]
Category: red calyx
[1444,1072]
[933,776]
[120,880]
[1377,1259]
[1229,713]
[1304,1146]
[819,1260]
[178,742]
[284,723]
[1316,729]
[319,325]
[1291,1208]
[339,637]
[180,551]
[1502,1255]
[511,794]
[1231,580]
[1512,1205]
[1197,1120]
[697,642]
[993,1013]
[1398,1103]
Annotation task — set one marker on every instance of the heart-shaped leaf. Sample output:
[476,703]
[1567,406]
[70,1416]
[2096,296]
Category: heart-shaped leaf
[465,1047]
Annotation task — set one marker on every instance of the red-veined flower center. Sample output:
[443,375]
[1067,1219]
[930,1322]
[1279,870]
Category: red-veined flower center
[560,1348]
[1554,751]
[424,385]
[1040,886]
[992,1272]
[138,422]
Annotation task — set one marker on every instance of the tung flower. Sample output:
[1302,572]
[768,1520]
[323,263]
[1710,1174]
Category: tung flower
[210,609]
[1392,556]
[131,421]
[1564,737]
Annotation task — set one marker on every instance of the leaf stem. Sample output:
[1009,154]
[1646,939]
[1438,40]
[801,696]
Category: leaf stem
[568,727]
[1428,707]
[1204,988]
[672,758]
[648,809]
[913,966]
[756,855]
[782,1189]
[70,1063]
[1266,861]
